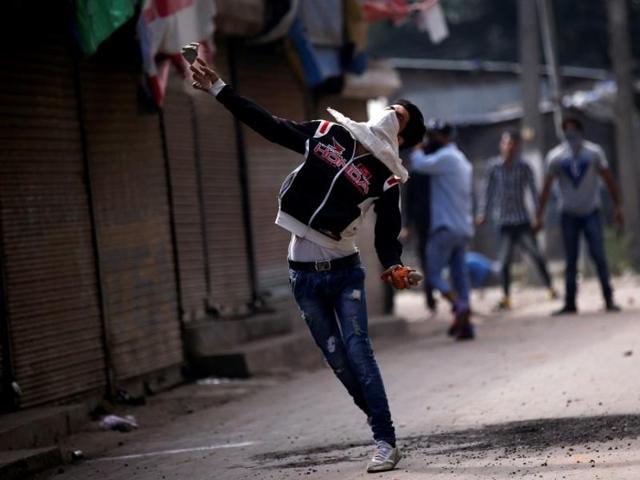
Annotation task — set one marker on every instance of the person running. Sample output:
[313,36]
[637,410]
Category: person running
[578,165]
[508,179]
[348,167]
[451,220]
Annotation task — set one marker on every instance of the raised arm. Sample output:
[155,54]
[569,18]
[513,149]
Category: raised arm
[289,134]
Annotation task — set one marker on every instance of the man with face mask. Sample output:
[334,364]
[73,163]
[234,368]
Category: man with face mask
[578,165]
[348,167]
[451,220]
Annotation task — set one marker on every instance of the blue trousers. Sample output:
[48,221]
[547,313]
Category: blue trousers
[591,226]
[333,304]
[447,249]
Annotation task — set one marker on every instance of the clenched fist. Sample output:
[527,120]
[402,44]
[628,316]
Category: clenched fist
[401,277]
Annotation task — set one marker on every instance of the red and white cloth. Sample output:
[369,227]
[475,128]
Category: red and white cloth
[430,16]
[164,27]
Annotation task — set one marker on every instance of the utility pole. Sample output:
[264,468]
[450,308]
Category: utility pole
[531,126]
[548,30]
[628,170]
[530,77]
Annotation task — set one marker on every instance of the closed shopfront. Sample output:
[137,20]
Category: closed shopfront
[230,288]
[189,215]
[132,217]
[268,79]
[51,282]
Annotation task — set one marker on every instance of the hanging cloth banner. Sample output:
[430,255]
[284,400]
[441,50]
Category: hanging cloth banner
[395,10]
[280,15]
[164,27]
[431,19]
[430,16]
[328,39]
[96,21]
[356,28]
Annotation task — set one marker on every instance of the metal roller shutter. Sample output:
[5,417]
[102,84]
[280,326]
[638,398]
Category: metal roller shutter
[268,79]
[133,222]
[6,377]
[228,266]
[51,279]
[4,391]
[187,194]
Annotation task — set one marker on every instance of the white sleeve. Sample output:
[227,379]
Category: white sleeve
[217,87]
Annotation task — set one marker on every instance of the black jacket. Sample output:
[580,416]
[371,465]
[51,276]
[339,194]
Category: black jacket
[327,196]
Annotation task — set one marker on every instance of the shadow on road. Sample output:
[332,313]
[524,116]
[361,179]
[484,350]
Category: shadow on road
[533,435]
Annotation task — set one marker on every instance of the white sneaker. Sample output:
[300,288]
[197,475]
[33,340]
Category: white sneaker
[385,458]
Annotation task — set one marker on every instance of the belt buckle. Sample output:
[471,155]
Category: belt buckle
[324,266]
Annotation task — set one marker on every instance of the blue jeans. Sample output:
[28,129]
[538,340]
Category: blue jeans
[333,305]
[446,248]
[591,226]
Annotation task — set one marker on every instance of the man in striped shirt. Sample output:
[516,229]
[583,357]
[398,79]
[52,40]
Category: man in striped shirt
[508,179]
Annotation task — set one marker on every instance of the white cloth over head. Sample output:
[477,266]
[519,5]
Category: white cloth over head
[379,136]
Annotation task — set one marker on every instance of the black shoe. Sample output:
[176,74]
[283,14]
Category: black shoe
[453,329]
[455,326]
[612,307]
[566,310]
[432,305]
[465,330]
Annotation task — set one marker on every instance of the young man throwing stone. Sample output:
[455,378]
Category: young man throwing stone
[348,167]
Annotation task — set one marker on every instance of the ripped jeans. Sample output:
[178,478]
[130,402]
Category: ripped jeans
[333,304]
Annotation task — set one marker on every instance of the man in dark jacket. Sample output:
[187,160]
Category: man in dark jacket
[348,167]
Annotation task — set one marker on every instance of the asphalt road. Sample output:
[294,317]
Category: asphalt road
[532,397]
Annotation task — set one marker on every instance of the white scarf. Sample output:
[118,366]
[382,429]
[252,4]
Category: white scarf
[379,136]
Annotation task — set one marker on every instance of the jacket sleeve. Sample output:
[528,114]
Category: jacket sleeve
[289,134]
[387,229]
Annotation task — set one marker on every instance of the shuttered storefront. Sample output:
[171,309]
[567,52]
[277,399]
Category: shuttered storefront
[4,391]
[268,79]
[5,339]
[51,280]
[228,265]
[185,164]
[133,221]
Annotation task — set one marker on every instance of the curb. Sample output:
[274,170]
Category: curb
[18,464]
[32,428]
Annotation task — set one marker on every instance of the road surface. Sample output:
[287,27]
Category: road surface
[532,397]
